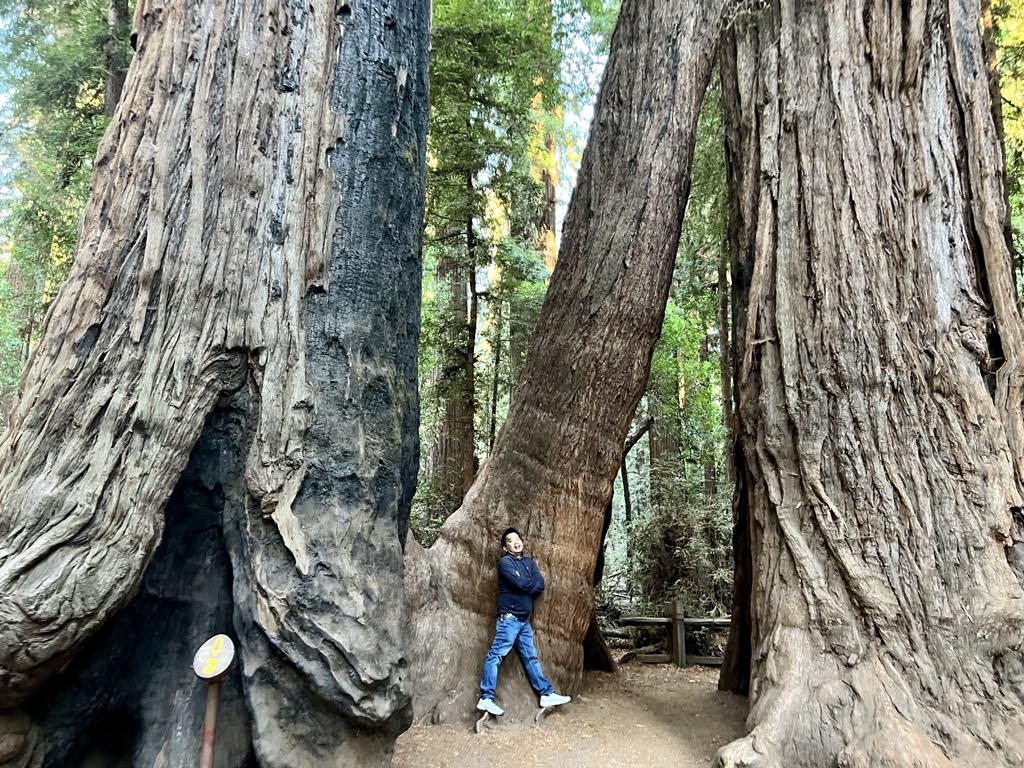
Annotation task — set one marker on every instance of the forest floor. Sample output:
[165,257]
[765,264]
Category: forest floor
[647,715]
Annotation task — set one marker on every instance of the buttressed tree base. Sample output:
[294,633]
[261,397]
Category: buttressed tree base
[246,290]
[879,400]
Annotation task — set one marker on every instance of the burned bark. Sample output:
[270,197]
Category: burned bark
[253,232]
[555,458]
[879,390]
[129,695]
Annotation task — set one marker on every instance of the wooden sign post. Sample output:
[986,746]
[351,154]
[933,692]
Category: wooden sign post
[211,663]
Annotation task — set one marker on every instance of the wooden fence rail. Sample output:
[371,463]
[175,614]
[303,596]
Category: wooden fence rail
[678,624]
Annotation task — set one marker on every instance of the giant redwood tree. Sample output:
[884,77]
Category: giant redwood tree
[555,459]
[879,384]
[245,292]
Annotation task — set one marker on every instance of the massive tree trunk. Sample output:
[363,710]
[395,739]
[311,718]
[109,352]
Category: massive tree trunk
[556,456]
[879,390]
[250,252]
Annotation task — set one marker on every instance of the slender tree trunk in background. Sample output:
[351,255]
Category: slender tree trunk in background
[492,426]
[455,453]
[735,672]
[467,459]
[710,464]
[662,440]
[546,224]
[518,336]
[879,390]
[725,353]
[989,48]
[521,317]
[446,475]
[117,25]
[249,260]
[642,430]
[625,493]
[988,39]
[557,454]
[663,452]
[469,462]
[633,440]
[710,479]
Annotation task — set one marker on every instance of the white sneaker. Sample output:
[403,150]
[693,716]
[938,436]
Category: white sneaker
[554,699]
[488,705]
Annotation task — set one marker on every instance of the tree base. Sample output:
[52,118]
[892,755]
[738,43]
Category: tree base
[813,709]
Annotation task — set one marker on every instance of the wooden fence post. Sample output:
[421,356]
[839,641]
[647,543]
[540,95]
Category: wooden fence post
[678,632]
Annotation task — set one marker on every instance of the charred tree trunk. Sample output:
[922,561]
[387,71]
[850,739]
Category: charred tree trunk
[556,456]
[251,245]
[735,673]
[879,390]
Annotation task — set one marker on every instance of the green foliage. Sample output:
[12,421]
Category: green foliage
[1009,37]
[54,55]
[495,103]
[680,540]
[684,549]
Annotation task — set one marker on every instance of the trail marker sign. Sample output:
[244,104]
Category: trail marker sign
[211,662]
[213,658]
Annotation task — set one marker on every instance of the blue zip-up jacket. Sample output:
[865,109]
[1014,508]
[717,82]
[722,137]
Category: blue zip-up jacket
[519,581]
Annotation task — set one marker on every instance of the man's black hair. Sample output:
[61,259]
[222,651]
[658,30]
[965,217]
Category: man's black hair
[507,532]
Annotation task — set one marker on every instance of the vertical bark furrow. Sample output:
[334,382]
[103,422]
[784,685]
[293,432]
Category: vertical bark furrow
[254,221]
[879,471]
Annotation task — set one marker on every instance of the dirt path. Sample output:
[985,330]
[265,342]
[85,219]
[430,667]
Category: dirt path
[648,716]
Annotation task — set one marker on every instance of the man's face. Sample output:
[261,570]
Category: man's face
[513,544]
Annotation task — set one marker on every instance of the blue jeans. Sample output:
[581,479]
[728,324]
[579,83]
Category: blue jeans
[512,631]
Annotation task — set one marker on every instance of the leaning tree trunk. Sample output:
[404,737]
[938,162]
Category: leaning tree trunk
[555,458]
[880,390]
[249,260]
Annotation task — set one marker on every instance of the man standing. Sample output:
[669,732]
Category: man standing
[519,581]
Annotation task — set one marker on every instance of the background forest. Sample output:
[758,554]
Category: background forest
[512,83]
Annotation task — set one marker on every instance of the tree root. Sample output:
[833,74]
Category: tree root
[812,710]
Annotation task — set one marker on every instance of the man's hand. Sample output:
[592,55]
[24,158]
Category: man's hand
[522,575]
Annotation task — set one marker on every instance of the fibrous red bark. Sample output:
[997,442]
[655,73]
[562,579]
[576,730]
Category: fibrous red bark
[879,389]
